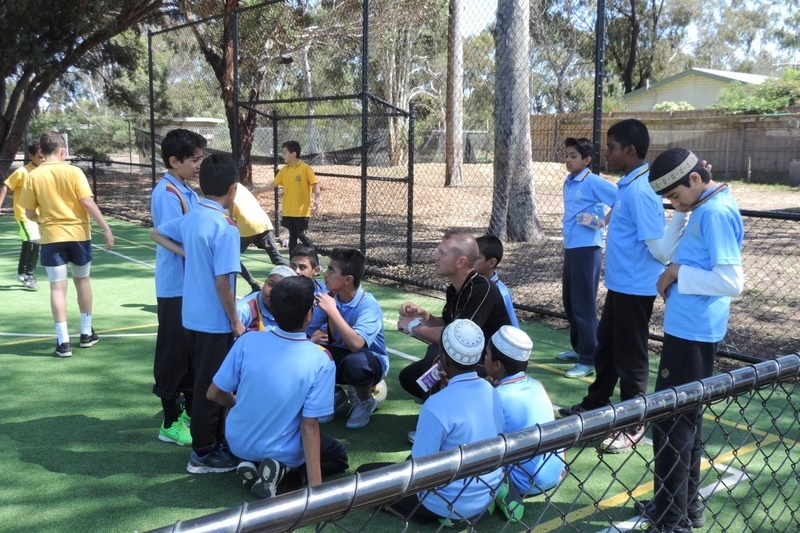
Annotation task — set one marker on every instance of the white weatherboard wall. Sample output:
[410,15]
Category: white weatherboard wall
[700,91]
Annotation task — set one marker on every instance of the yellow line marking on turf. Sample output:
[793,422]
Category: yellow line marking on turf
[50,339]
[646,488]
[137,243]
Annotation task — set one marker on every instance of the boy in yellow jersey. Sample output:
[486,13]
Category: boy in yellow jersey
[28,229]
[61,194]
[299,183]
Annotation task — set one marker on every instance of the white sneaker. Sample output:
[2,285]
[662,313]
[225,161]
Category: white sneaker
[362,410]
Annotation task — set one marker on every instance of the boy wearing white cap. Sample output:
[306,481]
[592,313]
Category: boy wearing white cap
[525,404]
[444,424]
[254,310]
[698,285]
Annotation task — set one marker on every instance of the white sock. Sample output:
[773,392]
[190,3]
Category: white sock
[62,332]
[86,323]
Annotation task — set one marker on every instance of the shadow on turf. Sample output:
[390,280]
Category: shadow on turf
[147,308]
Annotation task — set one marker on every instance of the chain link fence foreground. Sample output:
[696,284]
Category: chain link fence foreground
[748,473]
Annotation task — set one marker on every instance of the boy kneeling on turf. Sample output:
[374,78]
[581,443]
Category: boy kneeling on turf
[277,384]
[525,404]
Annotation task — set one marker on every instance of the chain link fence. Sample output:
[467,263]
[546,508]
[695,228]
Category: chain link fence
[747,482]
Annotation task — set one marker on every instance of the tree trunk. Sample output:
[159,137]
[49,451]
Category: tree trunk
[454,116]
[312,146]
[513,209]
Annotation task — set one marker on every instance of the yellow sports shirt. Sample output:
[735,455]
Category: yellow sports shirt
[15,182]
[297,182]
[56,188]
[248,214]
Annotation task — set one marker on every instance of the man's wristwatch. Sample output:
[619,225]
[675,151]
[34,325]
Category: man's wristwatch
[411,325]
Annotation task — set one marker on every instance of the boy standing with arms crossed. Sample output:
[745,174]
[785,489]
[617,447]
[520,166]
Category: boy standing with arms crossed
[586,196]
[299,182]
[64,201]
[28,229]
[210,243]
[705,273]
[182,152]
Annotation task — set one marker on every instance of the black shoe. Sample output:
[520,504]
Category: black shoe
[63,350]
[647,509]
[574,410]
[270,474]
[248,472]
[89,340]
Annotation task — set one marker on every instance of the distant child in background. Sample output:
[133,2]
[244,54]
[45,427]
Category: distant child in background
[58,196]
[182,152]
[255,310]
[305,262]
[209,240]
[490,252]
[28,229]
[586,198]
[277,385]
[299,183]
[705,272]
[525,404]
[349,322]
[255,228]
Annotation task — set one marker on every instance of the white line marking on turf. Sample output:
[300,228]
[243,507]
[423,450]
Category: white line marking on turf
[733,477]
[52,335]
[123,256]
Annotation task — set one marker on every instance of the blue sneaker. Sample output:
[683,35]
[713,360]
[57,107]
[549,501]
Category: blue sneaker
[214,462]
[579,371]
[571,355]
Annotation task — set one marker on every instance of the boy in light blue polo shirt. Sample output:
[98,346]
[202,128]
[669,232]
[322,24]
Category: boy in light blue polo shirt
[704,274]
[182,152]
[490,253]
[209,241]
[283,384]
[525,404]
[255,310]
[586,198]
[349,321]
[636,223]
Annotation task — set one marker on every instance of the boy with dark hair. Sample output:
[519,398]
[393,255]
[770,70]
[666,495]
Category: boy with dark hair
[58,196]
[255,228]
[305,262]
[182,151]
[273,420]
[704,274]
[28,229]
[444,423]
[490,253]
[299,183]
[210,243]
[633,264]
[586,198]
[525,404]
[349,321]
[255,310]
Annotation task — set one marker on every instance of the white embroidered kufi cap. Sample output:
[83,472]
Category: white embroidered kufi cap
[463,341]
[513,342]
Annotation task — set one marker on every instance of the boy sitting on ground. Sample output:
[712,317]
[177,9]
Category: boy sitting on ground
[490,252]
[282,383]
[349,321]
[305,262]
[525,404]
[255,310]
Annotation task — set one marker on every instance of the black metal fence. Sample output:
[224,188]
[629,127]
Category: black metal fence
[748,473]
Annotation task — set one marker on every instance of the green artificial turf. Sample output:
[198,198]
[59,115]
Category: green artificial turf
[78,435]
